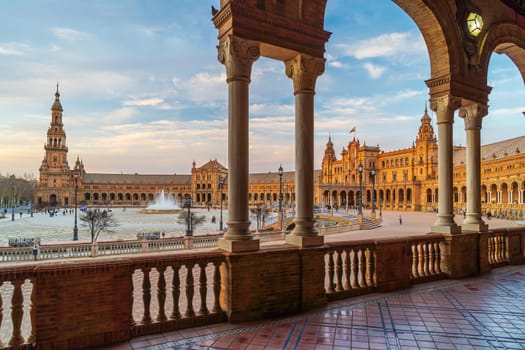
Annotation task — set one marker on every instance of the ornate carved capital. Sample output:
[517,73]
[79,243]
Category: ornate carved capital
[238,56]
[444,107]
[473,115]
[304,70]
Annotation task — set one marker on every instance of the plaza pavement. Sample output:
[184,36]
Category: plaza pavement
[486,312]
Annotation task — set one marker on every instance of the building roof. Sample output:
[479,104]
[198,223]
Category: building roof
[491,151]
[213,165]
[136,179]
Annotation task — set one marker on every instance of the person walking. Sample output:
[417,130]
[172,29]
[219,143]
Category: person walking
[400,220]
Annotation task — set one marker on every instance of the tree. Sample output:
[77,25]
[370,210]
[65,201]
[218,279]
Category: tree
[98,222]
[196,220]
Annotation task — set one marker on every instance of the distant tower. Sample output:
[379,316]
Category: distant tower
[54,188]
[426,149]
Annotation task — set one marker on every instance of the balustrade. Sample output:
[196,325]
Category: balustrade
[426,258]
[497,248]
[349,267]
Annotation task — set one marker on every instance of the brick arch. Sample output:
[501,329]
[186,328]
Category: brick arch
[507,38]
[436,22]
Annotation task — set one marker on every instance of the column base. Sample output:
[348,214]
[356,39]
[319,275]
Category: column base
[304,241]
[249,245]
[450,229]
[477,227]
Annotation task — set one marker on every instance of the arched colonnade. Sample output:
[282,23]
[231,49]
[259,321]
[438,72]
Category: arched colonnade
[460,37]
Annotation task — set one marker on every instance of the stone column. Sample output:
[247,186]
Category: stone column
[238,56]
[444,107]
[304,70]
[473,115]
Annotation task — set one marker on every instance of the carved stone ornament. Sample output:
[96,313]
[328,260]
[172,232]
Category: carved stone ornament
[473,115]
[238,56]
[444,107]
[304,70]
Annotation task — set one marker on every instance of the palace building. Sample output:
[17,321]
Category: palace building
[407,179]
[400,180]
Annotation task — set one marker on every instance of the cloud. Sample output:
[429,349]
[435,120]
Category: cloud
[148,102]
[203,88]
[374,71]
[14,49]
[69,34]
[385,45]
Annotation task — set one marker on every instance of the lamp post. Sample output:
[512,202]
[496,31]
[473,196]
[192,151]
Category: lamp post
[13,201]
[360,207]
[189,228]
[75,228]
[373,176]
[405,178]
[221,186]
[281,194]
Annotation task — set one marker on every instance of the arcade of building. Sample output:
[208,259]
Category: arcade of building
[391,180]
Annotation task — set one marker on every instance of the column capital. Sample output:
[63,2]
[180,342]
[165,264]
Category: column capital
[444,107]
[303,70]
[238,55]
[473,115]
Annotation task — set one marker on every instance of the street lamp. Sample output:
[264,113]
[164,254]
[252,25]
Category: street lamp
[373,176]
[75,228]
[13,201]
[360,208]
[221,186]
[281,193]
[189,228]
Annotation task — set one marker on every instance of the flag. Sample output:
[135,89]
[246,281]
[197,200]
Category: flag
[353,130]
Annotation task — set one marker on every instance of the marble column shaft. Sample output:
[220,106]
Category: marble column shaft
[238,56]
[444,107]
[304,70]
[473,115]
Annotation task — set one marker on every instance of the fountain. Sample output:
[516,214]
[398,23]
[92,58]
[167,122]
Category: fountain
[163,204]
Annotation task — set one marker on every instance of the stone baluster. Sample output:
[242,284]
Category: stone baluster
[203,288]
[437,260]
[175,292]
[331,272]
[431,258]
[32,314]
[2,317]
[369,268]
[490,249]
[146,296]
[17,312]
[346,270]
[189,291]
[361,268]
[425,258]
[420,260]
[338,271]
[216,287]
[503,250]
[161,285]
[353,269]
[414,261]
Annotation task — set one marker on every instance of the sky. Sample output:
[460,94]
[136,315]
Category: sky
[143,91]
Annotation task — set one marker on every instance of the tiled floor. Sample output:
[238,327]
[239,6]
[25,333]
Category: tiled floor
[487,312]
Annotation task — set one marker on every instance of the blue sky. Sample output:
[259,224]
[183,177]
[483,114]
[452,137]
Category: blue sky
[142,89]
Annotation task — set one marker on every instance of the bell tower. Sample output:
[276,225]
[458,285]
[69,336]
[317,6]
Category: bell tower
[54,185]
